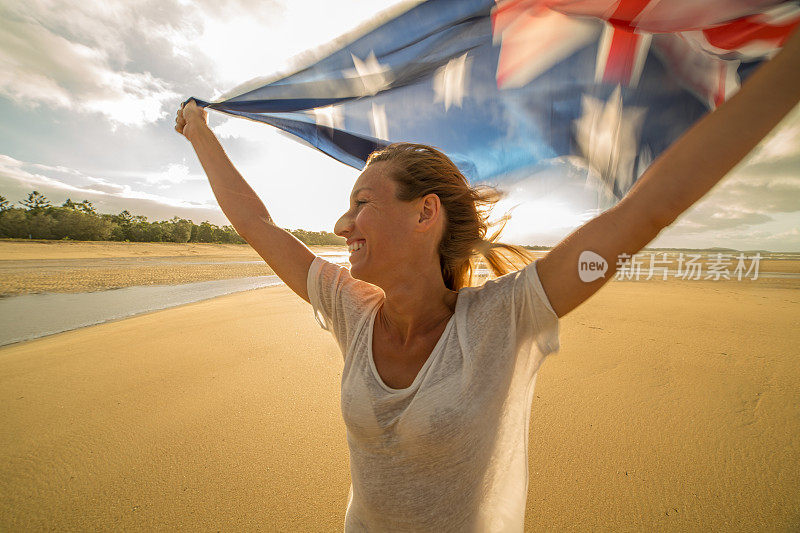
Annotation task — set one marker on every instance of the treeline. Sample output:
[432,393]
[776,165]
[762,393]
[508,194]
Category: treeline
[39,219]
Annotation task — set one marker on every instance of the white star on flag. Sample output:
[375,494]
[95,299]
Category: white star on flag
[379,125]
[371,76]
[608,137]
[451,80]
[330,116]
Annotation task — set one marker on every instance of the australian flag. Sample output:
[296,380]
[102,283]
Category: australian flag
[509,88]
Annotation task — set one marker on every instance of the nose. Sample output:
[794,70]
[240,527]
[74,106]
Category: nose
[344,225]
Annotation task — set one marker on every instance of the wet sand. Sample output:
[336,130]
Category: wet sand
[64,266]
[672,406]
[22,249]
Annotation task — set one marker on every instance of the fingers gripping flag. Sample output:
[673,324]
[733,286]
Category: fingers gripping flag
[509,88]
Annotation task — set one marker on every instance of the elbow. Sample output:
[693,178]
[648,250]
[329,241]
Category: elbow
[254,225]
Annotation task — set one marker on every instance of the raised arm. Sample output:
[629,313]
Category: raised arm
[683,174]
[283,252]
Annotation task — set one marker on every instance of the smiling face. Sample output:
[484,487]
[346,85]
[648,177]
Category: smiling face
[387,230]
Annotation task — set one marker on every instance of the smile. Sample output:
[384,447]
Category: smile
[356,246]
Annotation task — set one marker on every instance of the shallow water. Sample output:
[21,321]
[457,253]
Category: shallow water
[31,316]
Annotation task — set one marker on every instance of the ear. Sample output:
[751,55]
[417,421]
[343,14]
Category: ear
[429,208]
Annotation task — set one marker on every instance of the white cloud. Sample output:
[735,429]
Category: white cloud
[175,173]
[20,172]
[779,234]
[240,128]
[14,169]
[99,56]
[267,38]
[793,233]
[41,66]
[132,99]
[739,201]
[782,142]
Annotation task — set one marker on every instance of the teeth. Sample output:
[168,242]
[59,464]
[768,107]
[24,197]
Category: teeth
[356,246]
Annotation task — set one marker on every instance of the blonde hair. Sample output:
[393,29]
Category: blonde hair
[422,170]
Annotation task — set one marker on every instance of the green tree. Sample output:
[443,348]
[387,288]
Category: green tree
[122,226]
[316,237]
[123,218]
[36,201]
[194,233]
[40,224]
[87,207]
[205,233]
[117,233]
[14,223]
[69,223]
[180,230]
[138,232]
[81,221]
[156,232]
[227,235]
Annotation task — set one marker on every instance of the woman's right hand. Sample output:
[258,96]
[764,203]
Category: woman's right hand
[190,119]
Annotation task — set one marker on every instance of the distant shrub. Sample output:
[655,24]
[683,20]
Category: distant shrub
[81,222]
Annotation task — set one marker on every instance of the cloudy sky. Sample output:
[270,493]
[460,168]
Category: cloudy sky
[89,91]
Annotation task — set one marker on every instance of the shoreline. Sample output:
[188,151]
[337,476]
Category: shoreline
[30,317]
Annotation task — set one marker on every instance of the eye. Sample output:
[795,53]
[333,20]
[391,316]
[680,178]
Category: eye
[359,202]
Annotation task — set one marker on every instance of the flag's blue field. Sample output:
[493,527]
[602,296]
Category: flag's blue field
[511,88]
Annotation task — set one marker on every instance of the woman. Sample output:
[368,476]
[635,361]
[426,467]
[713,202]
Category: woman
[438,376]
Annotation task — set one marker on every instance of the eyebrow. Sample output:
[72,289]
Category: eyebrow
[355,193]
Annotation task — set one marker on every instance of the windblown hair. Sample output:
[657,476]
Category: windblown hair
[420,170]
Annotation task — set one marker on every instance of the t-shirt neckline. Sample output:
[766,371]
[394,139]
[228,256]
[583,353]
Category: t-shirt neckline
[434,353]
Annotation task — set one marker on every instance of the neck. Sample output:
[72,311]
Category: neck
[416,303]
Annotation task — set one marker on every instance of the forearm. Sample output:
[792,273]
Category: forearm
[711,148]
[236,198]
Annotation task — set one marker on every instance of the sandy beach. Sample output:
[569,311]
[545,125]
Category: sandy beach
[671,406]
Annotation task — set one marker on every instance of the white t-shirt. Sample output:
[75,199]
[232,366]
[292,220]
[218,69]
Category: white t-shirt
[450,452]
